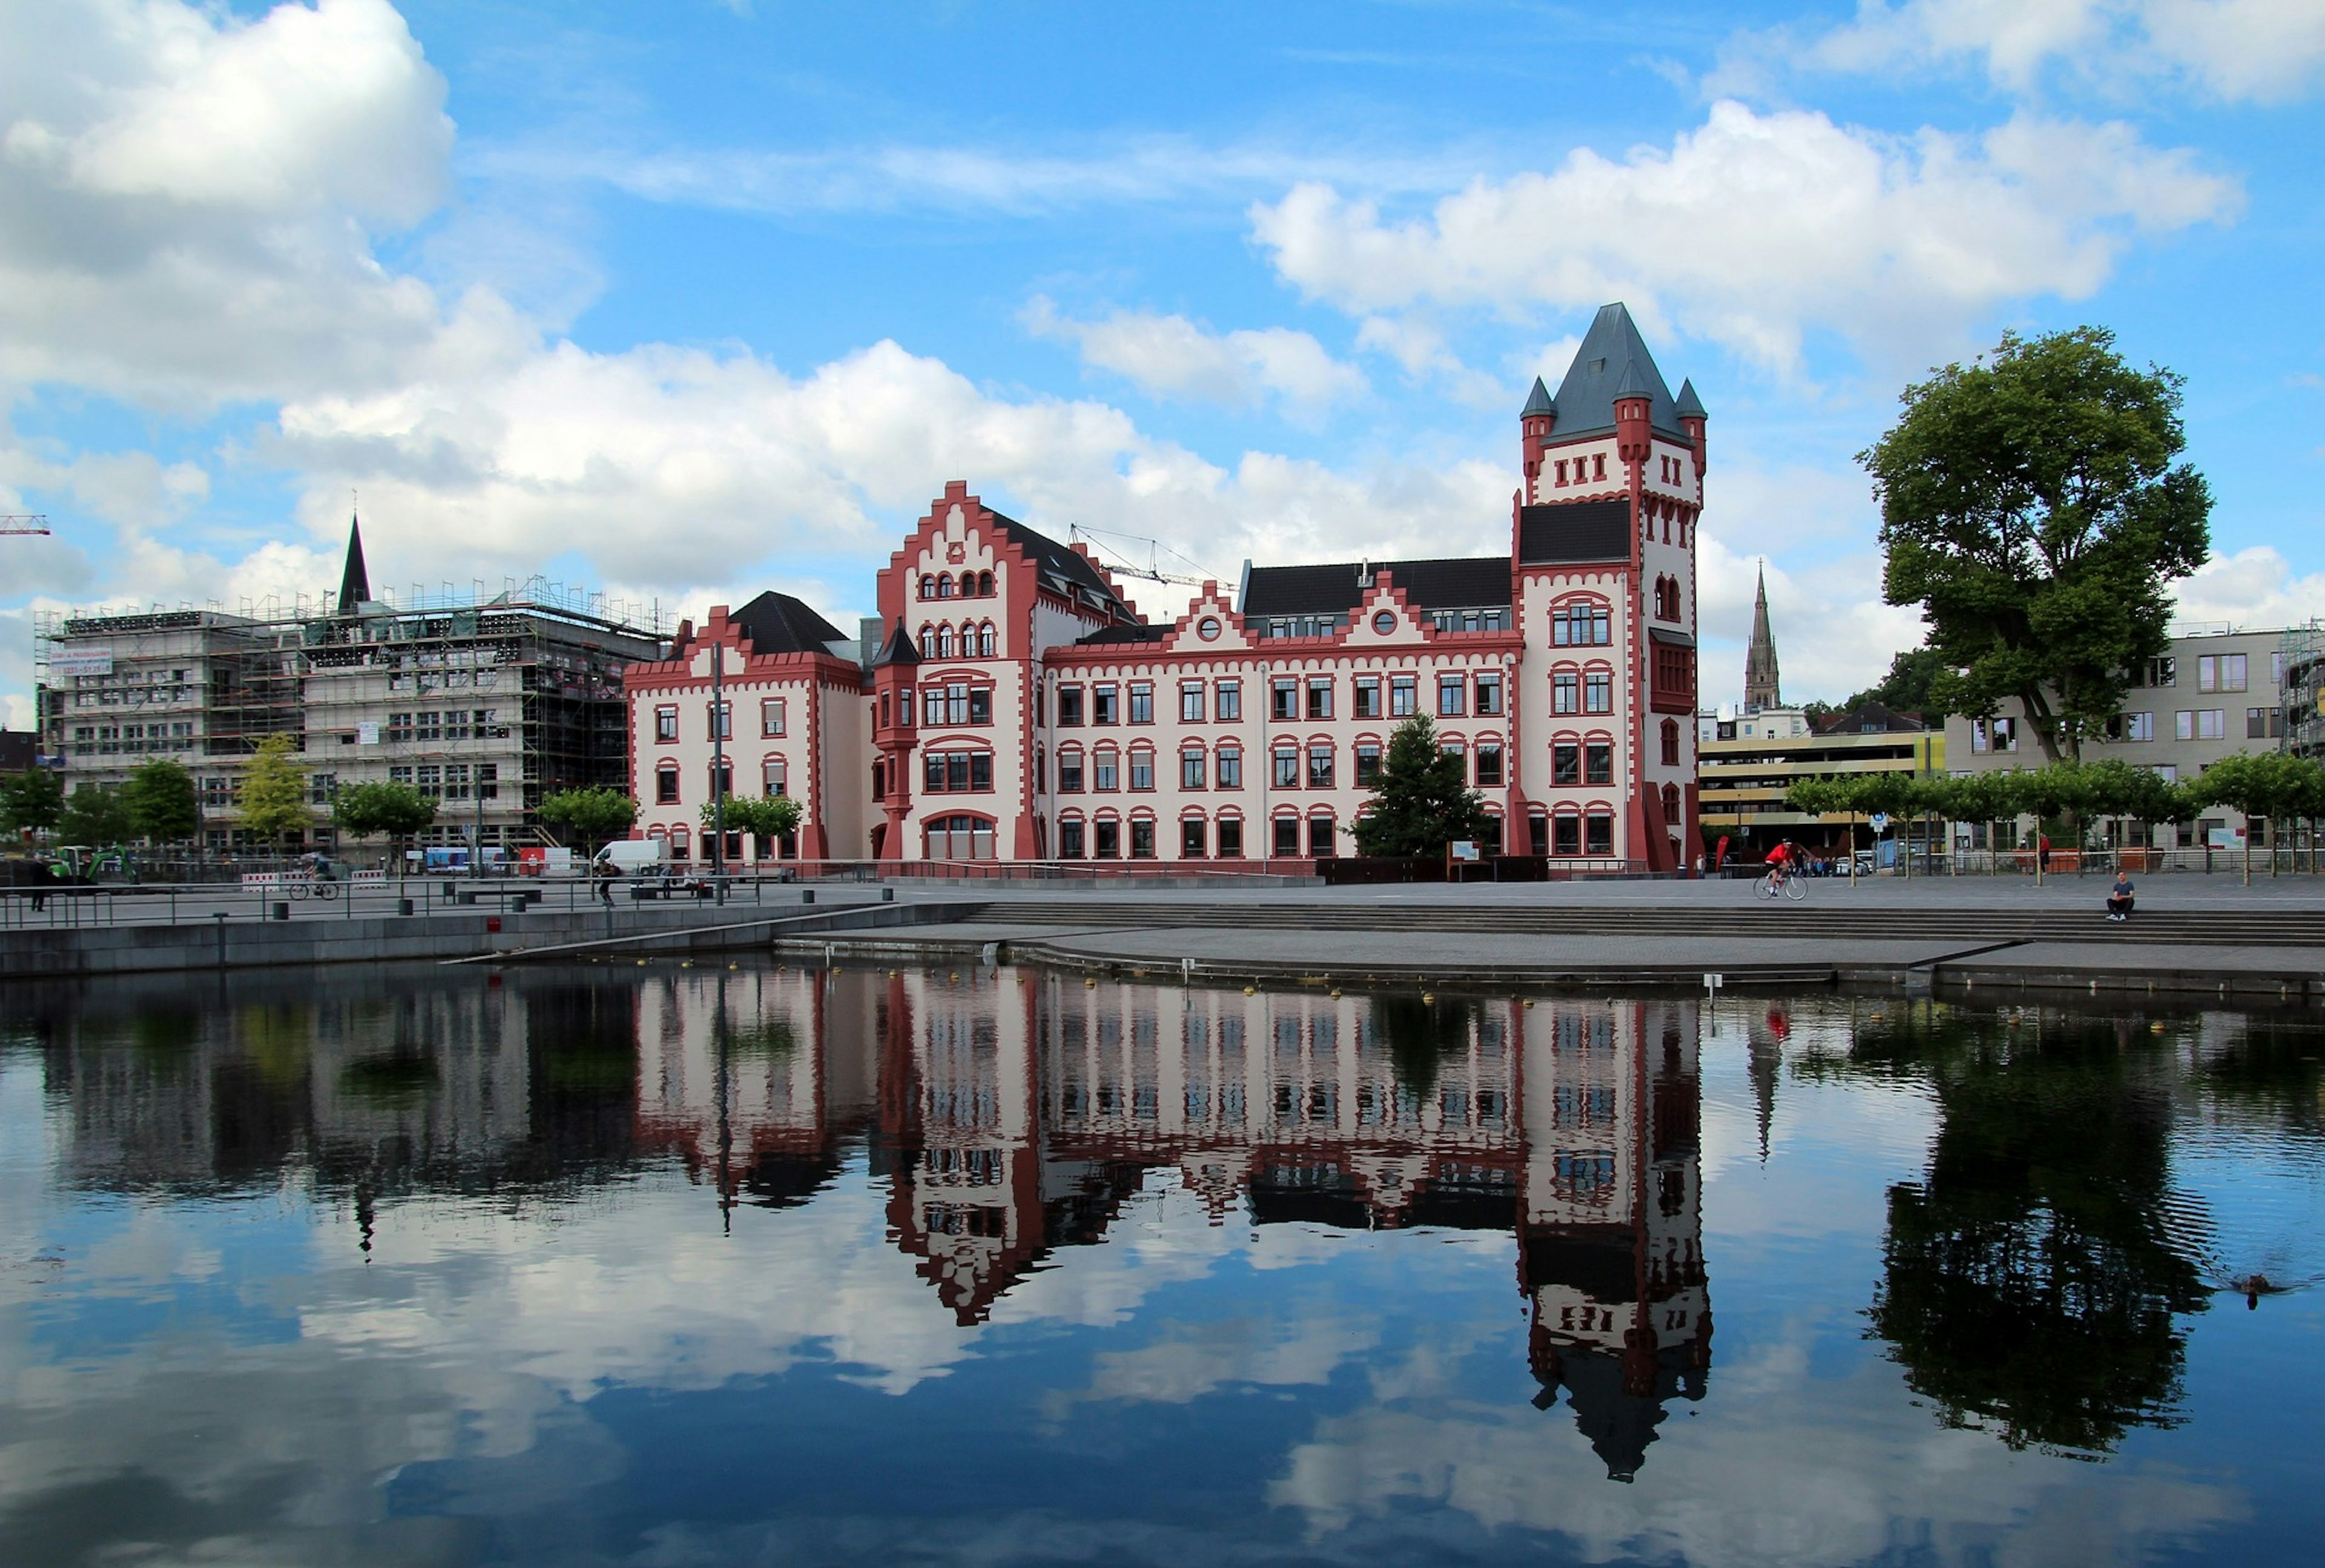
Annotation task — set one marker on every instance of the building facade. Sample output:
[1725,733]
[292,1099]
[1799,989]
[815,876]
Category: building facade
[1750,760]
[1012,704]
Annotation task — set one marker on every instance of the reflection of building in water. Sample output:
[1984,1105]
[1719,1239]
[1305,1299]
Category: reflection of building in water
[1021,1110]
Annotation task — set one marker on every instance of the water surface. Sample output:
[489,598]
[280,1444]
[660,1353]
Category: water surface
[672,1266]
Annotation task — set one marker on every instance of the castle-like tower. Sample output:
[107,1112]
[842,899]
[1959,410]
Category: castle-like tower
[1760,684]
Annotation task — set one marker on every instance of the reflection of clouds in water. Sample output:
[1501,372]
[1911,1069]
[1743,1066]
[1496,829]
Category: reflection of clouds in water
[1809,1471]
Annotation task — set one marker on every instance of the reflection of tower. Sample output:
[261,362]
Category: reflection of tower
[1611,1250]
[1764,1060]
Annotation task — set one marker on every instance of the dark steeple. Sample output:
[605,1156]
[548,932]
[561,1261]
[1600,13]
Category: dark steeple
[1613,354]
[1760,685]
[1538,401]
[355,581]
[1690,405]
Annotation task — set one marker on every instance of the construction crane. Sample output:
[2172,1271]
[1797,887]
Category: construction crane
[22,523]
[1152,570]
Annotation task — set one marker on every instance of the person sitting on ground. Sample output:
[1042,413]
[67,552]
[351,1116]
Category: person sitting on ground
[2120,900]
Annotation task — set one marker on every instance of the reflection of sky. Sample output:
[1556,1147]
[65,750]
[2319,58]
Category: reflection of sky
[612,1379]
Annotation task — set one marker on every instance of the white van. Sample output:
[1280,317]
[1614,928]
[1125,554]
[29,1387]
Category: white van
[632,857]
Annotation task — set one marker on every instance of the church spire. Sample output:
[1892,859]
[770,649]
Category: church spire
[355,581]
[1760,688]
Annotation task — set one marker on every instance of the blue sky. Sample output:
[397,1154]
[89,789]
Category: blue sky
[688,299]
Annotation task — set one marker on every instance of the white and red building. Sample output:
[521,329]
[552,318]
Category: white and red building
[1010,703]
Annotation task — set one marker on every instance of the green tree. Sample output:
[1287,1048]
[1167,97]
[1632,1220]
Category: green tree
[34,801]
[2264,786]
[2033,506]
[1422,801]
[97,817]
[159,795]
[1906,687]
[397,810]
[767,820]
[590,815]
[274,792]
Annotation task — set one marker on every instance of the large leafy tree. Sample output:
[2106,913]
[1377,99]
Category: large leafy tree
[2033,505]
[33,800]
[97,817]
[591,815]
[398,810]
[159,795]
[273,792]
[1422,801]
[767,820]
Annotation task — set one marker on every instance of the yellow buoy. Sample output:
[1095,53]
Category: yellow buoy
[1428,996]
[1336,993]
[1089,982]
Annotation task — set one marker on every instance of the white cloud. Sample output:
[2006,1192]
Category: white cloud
[2267,50]
[2253,588]
[1172,356]
[1418,345]
[185,194]
[1755,230]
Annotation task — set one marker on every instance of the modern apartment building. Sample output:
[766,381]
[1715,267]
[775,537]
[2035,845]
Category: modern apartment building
[1751,759]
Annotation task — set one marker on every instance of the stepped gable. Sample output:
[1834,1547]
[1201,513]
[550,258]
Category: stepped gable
[1572,533]
[1462,582]
[776,623]
[1612,362]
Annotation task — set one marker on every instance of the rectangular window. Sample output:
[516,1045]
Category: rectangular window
[1105,705]
[1319,767]
[1191,839]
[720,780]
[720,716]
[1142,703]
[1142,770]
[1404,696]
[1283,698]
[1142,841]
[1319,838]
[488,775]
[2276,671]
[2233,676]
[1191,768]
[1231,840]
[2255,727]
[1070,840]
[2207,673]
[1599,691]
[980,705]
[431,726]
[1566,835]
[666,786]
[1287,768]
[2211,724]
[1368,761]
[1109,840]
[1070,772]
[1319,697]
[1287,835]
[1191,703]
[1230,704]
[1367,697]
[2183,725]
[1599,763]
[2164,672]
[1069,706]
[1230,767]
[2139,726]
[1565,692]
[1453,696]
[1566,763]
[1489,763]
[321,787]
[1107,772]
[1598,834]
[665,723]
[774,778]
[1489,696]
[771,718]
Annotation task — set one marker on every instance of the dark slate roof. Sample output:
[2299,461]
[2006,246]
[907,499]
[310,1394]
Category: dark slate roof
[354,580]
[1538,401]
[1690,405]
[898,649]
[1124,634]
[1612,354]
[776,623]
[1574,531]
[1883,719]
[1469,582]
[1057,560]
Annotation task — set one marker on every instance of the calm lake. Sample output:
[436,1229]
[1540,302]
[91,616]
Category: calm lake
[674,1265]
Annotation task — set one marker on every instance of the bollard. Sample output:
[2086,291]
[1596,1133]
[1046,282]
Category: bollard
[449,888]
[887,895]
[808,897]
[466,895]
[403,906]
[279,910]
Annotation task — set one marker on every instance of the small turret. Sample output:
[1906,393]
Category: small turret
[1692,416]
[1536,420]
[1633,401]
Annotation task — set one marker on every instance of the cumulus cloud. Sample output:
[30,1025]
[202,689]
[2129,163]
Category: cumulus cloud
[187,194]
[1757,230]
[2266,51]
[2253,588]
[1172,356]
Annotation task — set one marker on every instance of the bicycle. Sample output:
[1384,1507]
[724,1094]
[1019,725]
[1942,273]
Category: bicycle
[301,887]
[1774,884]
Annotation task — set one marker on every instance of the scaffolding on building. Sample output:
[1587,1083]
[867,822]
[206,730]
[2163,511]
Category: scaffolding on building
[488,700]
[2304,690]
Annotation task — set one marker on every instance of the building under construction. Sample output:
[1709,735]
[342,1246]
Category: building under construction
[2304,690]
[487,701]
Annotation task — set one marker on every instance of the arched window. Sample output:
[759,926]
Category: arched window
[1667,598]
[928,643]
[1581,623]
[944,586]
[928,586]
[959,837]
[985,585]
[985,641]
[1671,804]
[944,642]
[1671,743]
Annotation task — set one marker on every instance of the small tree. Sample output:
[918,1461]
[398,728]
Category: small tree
[2263,786]
[397,810]
[159,795]
[769,819]
[1421,800]
[274,792]
[32,800]
[97,817]
[590,815]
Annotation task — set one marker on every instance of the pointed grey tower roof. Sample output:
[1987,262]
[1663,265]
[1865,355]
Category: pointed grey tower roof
[1612,351]
[1538,401]
[1761,686]
[1689,406]
[354,579]
[1632,384]
[898,649]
